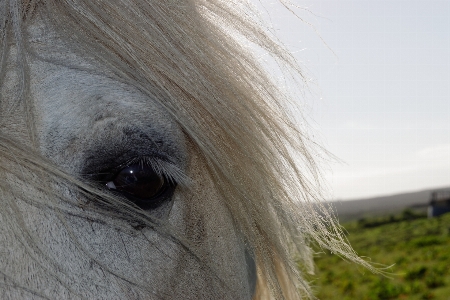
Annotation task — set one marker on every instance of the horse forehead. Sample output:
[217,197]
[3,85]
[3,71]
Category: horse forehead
[76,98]
[60,90]
[65,82]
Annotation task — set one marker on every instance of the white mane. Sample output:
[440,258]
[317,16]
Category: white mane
[188,55]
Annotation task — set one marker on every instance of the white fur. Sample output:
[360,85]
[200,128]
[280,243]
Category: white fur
[67,101]
[87,83]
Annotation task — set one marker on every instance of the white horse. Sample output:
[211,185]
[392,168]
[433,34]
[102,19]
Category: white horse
[145,154]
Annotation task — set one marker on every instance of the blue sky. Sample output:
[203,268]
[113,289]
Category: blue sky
[383,99]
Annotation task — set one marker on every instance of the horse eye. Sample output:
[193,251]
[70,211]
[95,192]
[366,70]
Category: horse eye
[141,185]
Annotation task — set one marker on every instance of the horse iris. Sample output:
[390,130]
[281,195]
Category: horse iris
[139,181]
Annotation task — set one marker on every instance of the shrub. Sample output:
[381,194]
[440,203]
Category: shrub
[383,288]
[434,280]
[416,273]
[426,241]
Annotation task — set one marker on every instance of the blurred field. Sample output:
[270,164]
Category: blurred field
[417,247]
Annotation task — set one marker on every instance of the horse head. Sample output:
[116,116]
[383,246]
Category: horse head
[146,154]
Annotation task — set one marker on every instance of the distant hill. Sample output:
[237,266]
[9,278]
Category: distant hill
[356,209]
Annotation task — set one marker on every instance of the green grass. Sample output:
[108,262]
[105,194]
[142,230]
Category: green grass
[417,247]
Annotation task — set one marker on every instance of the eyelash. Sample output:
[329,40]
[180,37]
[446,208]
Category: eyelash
[161,166]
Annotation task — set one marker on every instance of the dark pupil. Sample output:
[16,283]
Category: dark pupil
[140,181]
